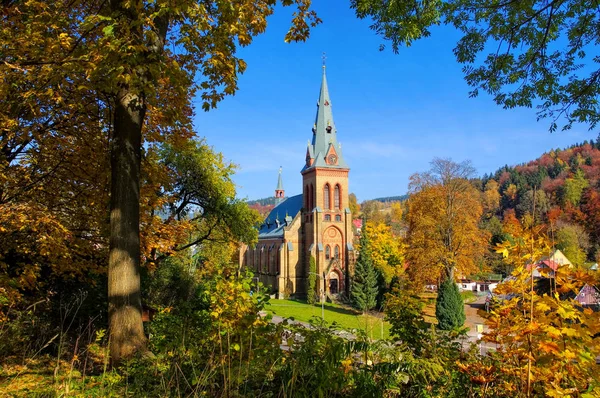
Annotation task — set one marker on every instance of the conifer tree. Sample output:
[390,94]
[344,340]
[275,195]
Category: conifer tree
[364,286]
[311,296]
[449,308]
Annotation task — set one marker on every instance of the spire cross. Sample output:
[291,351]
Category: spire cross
[324,58]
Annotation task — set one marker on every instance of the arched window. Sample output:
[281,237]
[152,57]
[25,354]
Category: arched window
[278,262]
[327,252]
[311,202]
[338,218]
[306,197]
[327,217]
[337,251]
[326,198]
[336,196]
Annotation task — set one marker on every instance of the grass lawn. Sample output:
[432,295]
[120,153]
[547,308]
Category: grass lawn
[347,318]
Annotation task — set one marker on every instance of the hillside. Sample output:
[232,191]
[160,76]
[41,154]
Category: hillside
[563,186]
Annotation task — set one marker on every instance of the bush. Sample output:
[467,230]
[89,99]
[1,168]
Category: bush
[449,308]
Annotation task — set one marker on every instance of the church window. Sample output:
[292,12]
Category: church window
[278,262]
[337,251]
[338,218]
[327,252]
[311,195]
[326,198]
[306,197]
[336,196]
[327,217]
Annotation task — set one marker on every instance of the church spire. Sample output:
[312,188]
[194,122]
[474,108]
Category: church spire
[324,149]
[279,192]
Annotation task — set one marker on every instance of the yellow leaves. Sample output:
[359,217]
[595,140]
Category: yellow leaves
[347,365]
[387,251]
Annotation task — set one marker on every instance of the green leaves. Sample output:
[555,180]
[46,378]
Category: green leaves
[524,54]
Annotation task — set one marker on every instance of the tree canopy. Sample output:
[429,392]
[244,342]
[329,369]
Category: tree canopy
[532,54]
[443,216]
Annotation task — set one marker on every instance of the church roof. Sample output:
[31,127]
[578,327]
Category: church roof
[324,139]
[279,217]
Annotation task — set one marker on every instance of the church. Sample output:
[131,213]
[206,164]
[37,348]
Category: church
[316,223]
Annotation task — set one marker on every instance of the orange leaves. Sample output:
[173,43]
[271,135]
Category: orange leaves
[548,347]
[478,372]
[443,229]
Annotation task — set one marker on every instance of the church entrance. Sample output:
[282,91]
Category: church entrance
[333,286]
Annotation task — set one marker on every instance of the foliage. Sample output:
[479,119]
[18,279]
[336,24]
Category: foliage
[311,296]
[449,306]
[90,89]
[364,285]
[385,250]
[573,189]
[404,310]
[573,241]
[353,205]
[443,216]
[523,54]
[546,341]
[364,289]
[490,198]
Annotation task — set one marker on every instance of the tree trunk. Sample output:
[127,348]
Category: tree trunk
[124,293]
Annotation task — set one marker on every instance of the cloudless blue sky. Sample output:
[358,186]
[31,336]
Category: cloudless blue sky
[394,112]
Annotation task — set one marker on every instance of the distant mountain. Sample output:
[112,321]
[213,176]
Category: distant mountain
[263,202]
[400,198]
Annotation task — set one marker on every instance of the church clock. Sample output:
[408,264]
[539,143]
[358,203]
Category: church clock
[332,159]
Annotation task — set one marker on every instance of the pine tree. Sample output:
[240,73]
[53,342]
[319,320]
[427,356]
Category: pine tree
[364,286]
[449,308]
[311,296]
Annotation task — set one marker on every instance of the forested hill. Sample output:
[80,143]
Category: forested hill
[566,186]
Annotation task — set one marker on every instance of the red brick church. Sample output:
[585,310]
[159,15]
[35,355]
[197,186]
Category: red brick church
[316,223]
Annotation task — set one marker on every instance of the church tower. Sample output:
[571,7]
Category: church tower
[279,192]
[326,217]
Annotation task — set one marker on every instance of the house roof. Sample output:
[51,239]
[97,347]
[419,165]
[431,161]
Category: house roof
[553,265]
[324,139]
[280,217]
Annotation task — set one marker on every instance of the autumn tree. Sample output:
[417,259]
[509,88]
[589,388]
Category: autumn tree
[99,70]
[546,342]
[385,250]
[443,216]
[371,211]
[573,188]
[353,205]
[396,209]
[521,53]
[573,241]
[490,198]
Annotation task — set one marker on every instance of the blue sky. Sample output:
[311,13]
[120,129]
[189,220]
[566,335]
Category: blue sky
[394,112]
